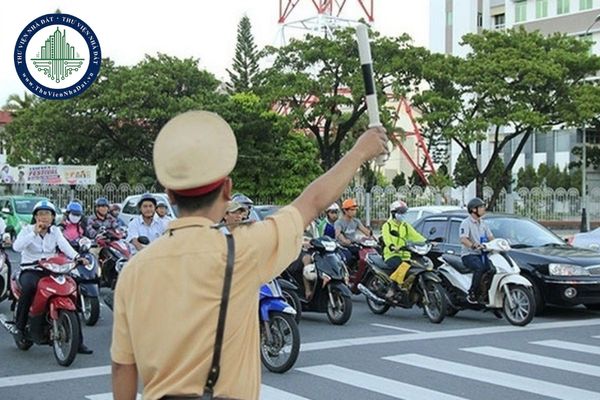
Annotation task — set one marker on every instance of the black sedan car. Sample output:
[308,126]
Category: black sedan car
[560,274]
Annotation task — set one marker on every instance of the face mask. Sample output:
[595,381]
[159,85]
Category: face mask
[74,218]
[399,217]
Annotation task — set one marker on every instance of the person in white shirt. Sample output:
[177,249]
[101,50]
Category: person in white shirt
[35,242]
[146,224]
[161,212]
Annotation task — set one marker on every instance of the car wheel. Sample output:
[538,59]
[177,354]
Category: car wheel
[540,305]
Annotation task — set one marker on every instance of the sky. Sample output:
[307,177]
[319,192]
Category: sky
[202,29]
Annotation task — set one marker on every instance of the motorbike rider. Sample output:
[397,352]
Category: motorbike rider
[115,210]
[245,201]
[161,212]
[326,226]
[101,218]
[73,225]
[346,228]
[395,233]
[146,224]
[473,233]
[35,242]
[234,214]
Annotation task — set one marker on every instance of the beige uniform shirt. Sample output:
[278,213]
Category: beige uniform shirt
[167,304]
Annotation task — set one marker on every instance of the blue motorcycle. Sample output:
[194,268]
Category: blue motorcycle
[87,280]
[279,335]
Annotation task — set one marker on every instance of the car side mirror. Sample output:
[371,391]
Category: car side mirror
[438,239]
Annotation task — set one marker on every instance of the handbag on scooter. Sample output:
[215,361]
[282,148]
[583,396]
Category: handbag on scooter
[213,374]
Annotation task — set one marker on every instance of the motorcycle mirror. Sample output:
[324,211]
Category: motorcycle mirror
[143,240]
[438,239]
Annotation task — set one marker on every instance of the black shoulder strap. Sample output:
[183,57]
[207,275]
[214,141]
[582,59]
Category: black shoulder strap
[213,374]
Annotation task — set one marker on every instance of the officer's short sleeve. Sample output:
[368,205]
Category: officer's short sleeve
[463,231]
[121,349]
[280,239]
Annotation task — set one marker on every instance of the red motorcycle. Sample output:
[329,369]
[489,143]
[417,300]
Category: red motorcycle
[114,254]
[53,313]
[358,271]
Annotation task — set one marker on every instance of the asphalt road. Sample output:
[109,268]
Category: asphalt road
[400,355]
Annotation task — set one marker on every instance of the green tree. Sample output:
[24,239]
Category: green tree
[399,180]
[527,177]
[114,123]
[245,61]
[318,82]
[16,103]
[516,79]
[464,170]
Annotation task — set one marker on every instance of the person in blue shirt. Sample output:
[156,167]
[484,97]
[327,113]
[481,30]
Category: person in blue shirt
[326,226]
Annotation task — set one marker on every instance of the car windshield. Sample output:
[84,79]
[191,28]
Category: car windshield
[522,231]
[25,206]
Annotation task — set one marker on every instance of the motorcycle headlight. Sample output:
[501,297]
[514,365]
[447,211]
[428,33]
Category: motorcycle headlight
[421,249]
[567,269]
[59,268]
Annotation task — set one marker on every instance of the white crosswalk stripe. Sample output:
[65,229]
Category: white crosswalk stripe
[271,393]
[564,345]
[534,359]
[377,384]
[552,390]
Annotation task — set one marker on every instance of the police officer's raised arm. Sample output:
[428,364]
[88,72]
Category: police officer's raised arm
[330,186]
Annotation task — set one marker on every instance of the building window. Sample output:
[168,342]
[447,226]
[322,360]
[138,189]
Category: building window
[499,21]
[585,4]
[449,18]
[562,6]
[479,19]
[520,11]
[541,8]
[541,140]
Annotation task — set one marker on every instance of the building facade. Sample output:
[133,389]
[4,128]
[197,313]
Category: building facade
[451,19]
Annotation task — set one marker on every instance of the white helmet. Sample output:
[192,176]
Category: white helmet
[333,207]
[398,206]
[310,272]
[44,205]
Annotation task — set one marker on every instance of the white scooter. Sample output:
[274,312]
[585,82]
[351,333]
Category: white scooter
[503,290]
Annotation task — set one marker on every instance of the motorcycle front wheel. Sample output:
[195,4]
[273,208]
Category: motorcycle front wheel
[281,353]
[340,311]
[91,310]
[523,305]
[376,285]
[435,308]
[66,338]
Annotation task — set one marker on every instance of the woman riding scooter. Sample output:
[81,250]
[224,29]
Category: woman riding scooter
[35,242]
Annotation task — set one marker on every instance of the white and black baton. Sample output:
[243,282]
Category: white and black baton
[366,64]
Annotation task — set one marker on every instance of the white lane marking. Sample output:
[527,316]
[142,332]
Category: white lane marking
[369,340]
[534,359]
[492,377]
[271,393]
[106,396]
[596,337]
[61,375]
[377,384]
[564,345]
[397,328]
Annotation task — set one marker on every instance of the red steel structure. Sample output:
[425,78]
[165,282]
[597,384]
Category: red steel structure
[327,7]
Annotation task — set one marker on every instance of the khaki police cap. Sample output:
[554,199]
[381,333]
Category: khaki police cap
[193,150]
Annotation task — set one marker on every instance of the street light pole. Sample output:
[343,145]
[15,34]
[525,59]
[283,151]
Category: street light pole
[585,221]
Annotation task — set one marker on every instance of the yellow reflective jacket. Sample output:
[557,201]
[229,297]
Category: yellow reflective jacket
[397,234]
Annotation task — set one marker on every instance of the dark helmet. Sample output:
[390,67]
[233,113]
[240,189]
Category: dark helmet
[146,197]
[474,203]
[75,208]
[243,199]
[101,202]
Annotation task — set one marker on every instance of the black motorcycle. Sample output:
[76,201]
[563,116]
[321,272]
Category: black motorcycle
[329,278]
[87,278]
[421,286]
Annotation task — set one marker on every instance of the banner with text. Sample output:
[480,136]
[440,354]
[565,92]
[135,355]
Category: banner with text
[49,174]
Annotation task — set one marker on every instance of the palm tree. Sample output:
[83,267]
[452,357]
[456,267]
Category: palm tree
[15,103]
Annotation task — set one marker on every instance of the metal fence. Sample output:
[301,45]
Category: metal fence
[539,203]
